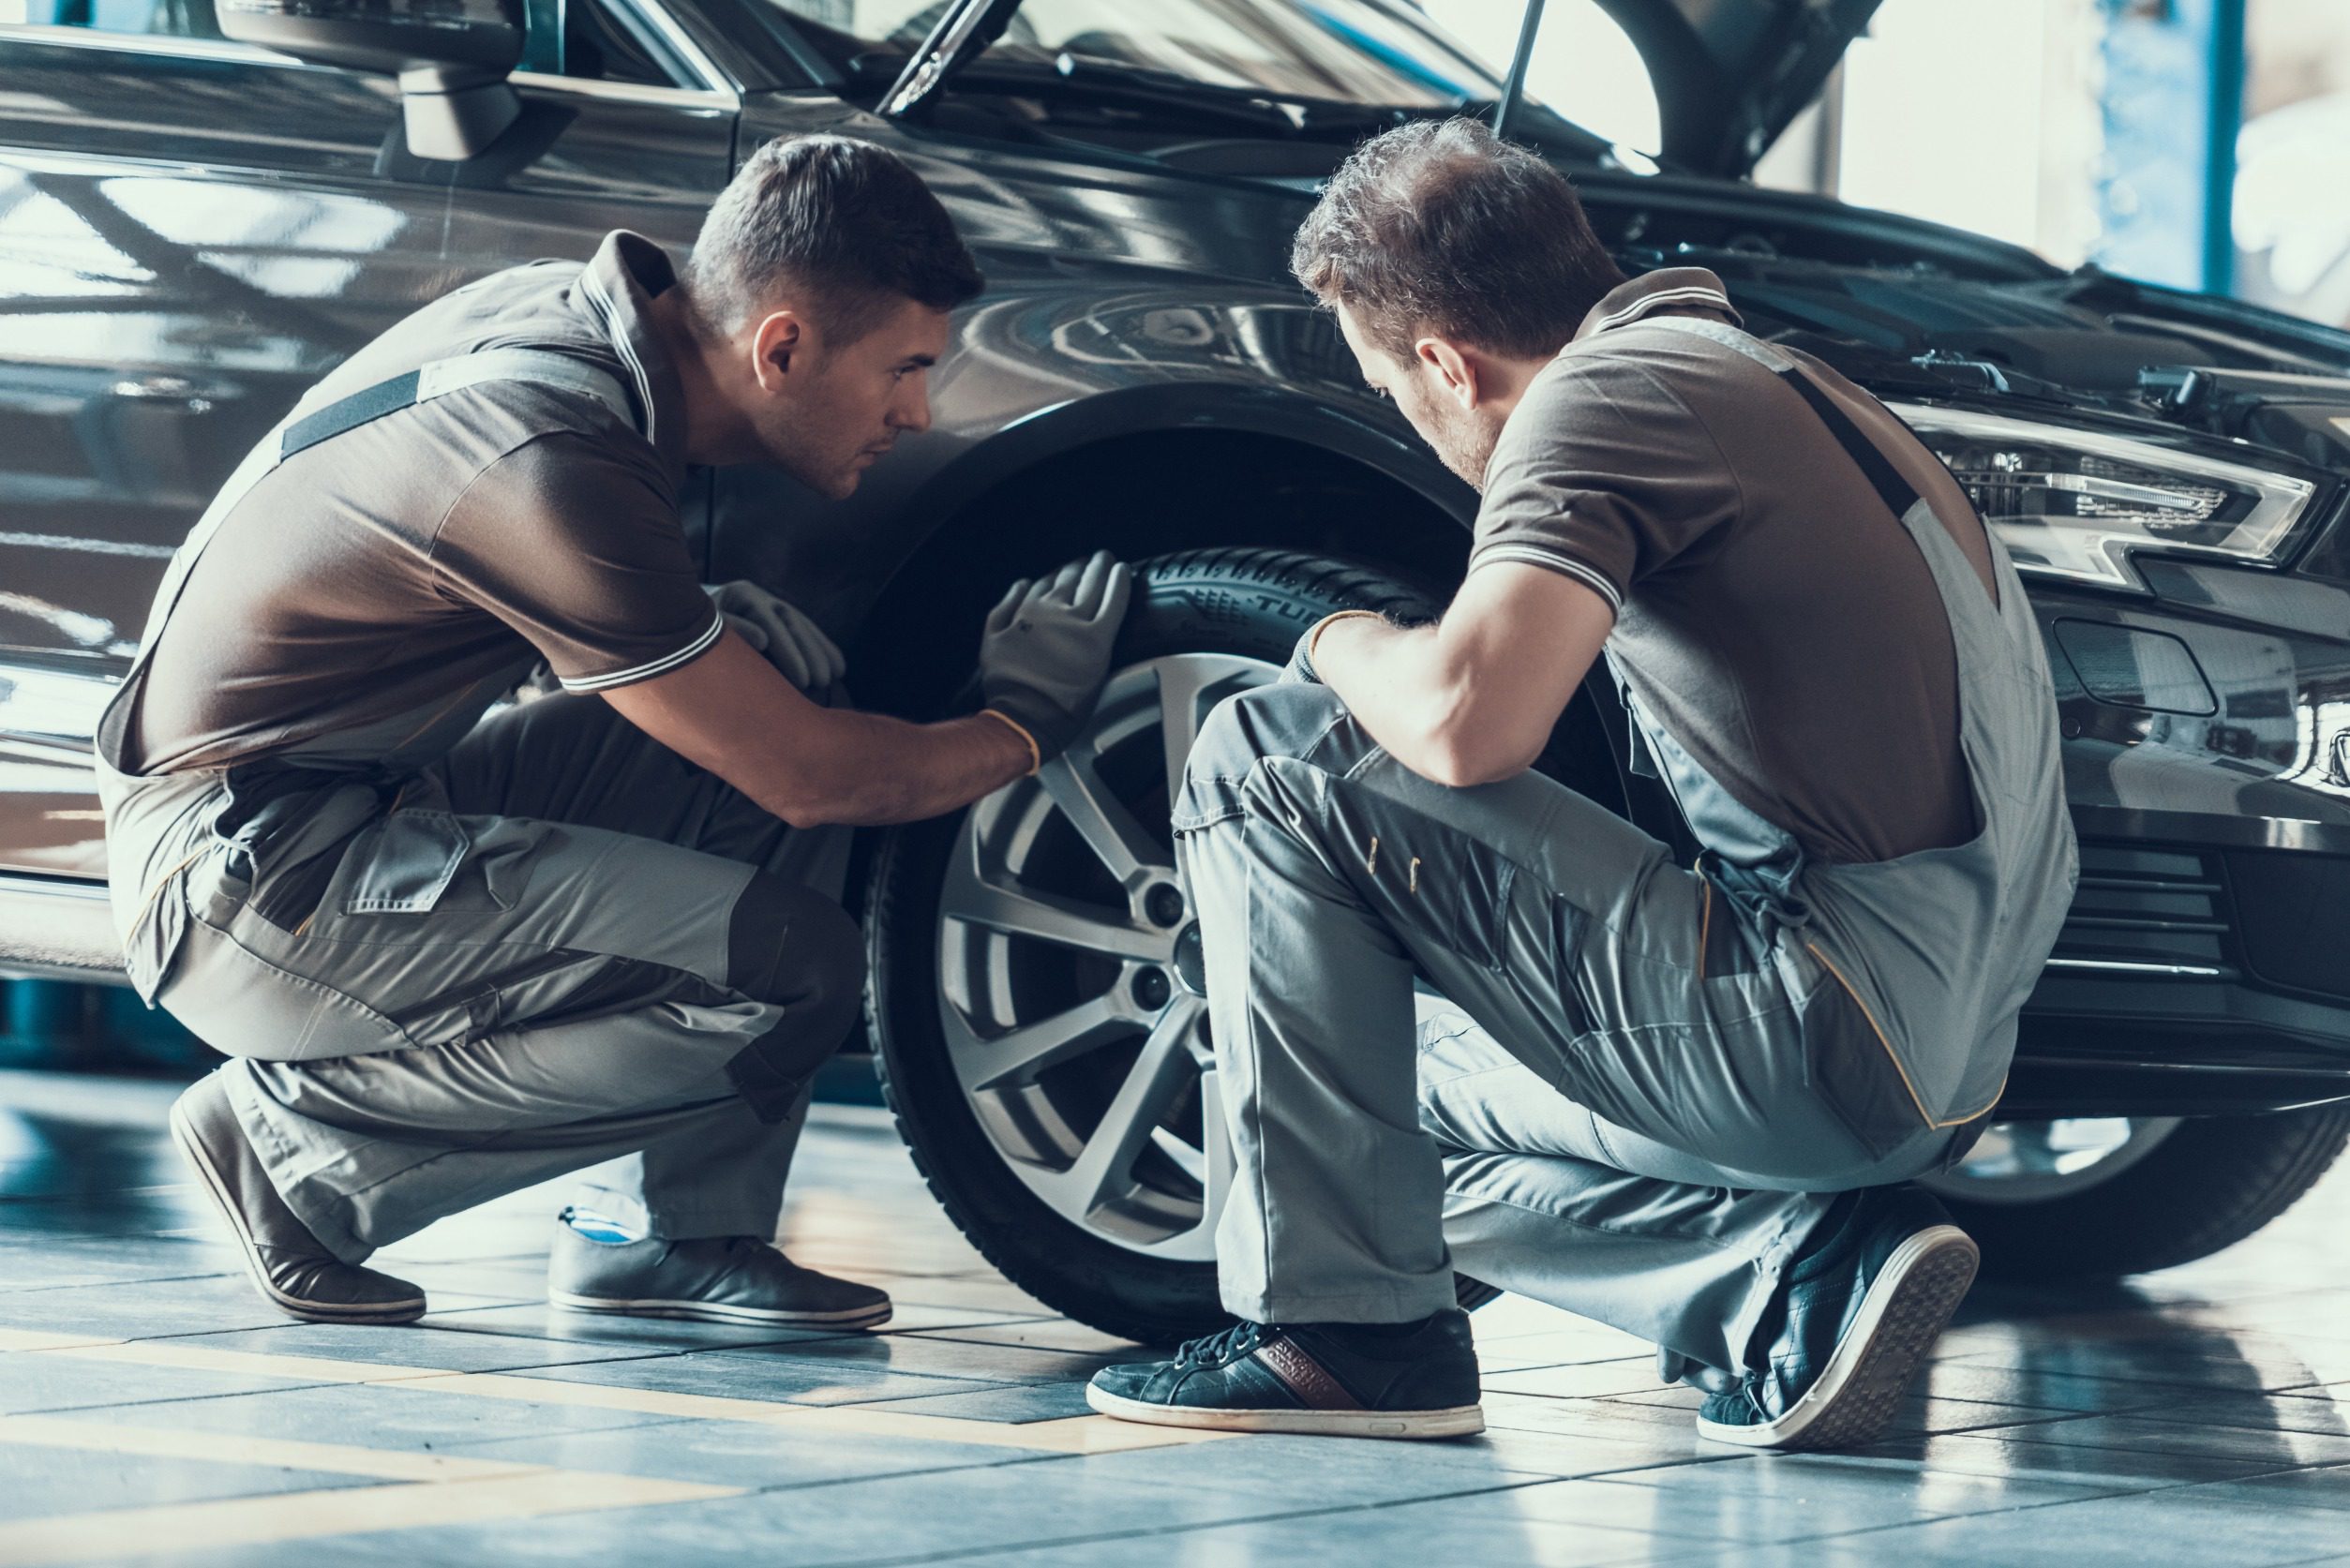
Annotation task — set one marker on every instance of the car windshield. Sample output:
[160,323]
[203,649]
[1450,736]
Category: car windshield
[1382,52]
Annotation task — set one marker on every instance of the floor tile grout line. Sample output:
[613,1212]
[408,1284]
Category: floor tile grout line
[108,1284]
[840,1416]
[798,1338]
[678,1352]
[2034,1507]
[1099,1536]
[602,1496]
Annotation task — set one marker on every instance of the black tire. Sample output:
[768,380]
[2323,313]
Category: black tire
[1249,603]
[2212,1182]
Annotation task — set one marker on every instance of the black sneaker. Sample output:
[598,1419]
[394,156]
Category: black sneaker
[290,1267]
[1859,1316]
[728,1279]
[1336,1380]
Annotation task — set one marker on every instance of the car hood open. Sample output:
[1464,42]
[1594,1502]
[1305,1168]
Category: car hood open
[1730,74]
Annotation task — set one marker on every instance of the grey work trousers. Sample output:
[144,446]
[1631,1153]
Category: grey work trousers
[564,947]
[1622,1114]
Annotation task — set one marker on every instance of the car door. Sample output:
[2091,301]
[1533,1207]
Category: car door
[191,231]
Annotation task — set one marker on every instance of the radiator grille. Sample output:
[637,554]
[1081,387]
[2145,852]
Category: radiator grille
[2146,909]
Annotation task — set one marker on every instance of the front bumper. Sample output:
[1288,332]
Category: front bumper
[2201,971]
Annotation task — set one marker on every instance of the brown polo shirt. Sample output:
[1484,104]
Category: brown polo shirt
[398,567]
[1772,615]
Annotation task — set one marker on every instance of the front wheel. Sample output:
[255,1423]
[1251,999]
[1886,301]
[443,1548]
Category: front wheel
[2096,1198]
[1034,991]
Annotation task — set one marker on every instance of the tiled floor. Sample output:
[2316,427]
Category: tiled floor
[152,1409]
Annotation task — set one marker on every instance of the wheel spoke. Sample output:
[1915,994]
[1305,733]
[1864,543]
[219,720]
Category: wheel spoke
[1157,1076]
[1180,687]
[1049,918]
[1027,926]
[1185,688]
[1019,1054]
[1118,842]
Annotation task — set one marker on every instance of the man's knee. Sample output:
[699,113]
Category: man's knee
[1291,719]
[790,945]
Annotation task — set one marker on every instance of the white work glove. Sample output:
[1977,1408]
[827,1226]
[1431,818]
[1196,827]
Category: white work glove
[793,644]
[1045,654]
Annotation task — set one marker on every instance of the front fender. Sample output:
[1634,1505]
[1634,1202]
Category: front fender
[1046,364]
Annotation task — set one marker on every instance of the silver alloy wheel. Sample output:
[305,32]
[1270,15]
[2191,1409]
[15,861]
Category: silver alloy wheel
[2034,1162]
[1080,1039]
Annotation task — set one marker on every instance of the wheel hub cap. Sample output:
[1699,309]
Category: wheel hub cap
[1191,960]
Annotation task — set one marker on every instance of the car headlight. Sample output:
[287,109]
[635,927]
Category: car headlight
[2076,504]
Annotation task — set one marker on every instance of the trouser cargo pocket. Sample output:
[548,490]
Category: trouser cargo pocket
[404,863]
[242,1004]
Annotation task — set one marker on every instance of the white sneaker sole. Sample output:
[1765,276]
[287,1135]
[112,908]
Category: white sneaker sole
[718,1312]
[192,1150]
[1460,1421]
[1908,1305]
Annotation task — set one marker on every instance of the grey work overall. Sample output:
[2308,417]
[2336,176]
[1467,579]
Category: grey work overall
[1633,1107]
[454,957]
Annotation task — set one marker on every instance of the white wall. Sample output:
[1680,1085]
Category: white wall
[1583,66]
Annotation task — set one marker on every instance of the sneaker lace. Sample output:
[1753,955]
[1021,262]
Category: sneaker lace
[1219,1349]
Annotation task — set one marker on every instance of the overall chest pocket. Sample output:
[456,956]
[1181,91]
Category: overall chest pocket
[405,863]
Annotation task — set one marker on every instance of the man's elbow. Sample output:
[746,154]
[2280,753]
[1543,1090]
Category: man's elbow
[1464,759]
[807,808]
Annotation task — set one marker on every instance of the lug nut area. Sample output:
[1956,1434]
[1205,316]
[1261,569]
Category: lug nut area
[1164,906]
[1151,988]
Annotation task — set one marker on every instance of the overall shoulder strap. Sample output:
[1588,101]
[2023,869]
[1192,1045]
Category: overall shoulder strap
[435,379]
[1896,492]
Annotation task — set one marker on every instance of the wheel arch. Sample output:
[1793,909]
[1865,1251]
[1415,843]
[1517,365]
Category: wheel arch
[1146,470]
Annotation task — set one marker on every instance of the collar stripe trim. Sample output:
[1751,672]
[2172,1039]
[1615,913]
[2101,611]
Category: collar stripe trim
[602,299]
[1693,293]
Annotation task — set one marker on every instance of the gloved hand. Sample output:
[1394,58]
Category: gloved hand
[1046,653]
[794,645]
[1300,666]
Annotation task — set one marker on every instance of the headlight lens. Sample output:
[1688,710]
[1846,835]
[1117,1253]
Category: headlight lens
[2076,504]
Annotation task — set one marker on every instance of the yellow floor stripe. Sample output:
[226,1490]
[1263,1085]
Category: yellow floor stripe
[42,1339]
[192,1527]
[209,1358]
[1083,1434]
[100,1436]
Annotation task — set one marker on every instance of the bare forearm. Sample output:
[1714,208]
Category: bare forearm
[874,770]
[730,713]
[1471,699]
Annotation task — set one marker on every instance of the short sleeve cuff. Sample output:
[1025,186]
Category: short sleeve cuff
[650,668]
[1557,561]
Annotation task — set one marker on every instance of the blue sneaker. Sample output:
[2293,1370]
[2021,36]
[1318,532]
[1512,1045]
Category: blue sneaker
[1859,1315]
[1333,1380]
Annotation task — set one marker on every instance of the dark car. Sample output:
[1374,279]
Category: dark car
[193,229]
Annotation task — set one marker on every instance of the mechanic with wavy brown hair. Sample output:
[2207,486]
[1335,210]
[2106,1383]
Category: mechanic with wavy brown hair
[1678,1101]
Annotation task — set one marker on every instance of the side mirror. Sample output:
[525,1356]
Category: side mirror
[451,56]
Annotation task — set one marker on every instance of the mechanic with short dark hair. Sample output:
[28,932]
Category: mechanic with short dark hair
[1674,1101]
[454,959]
